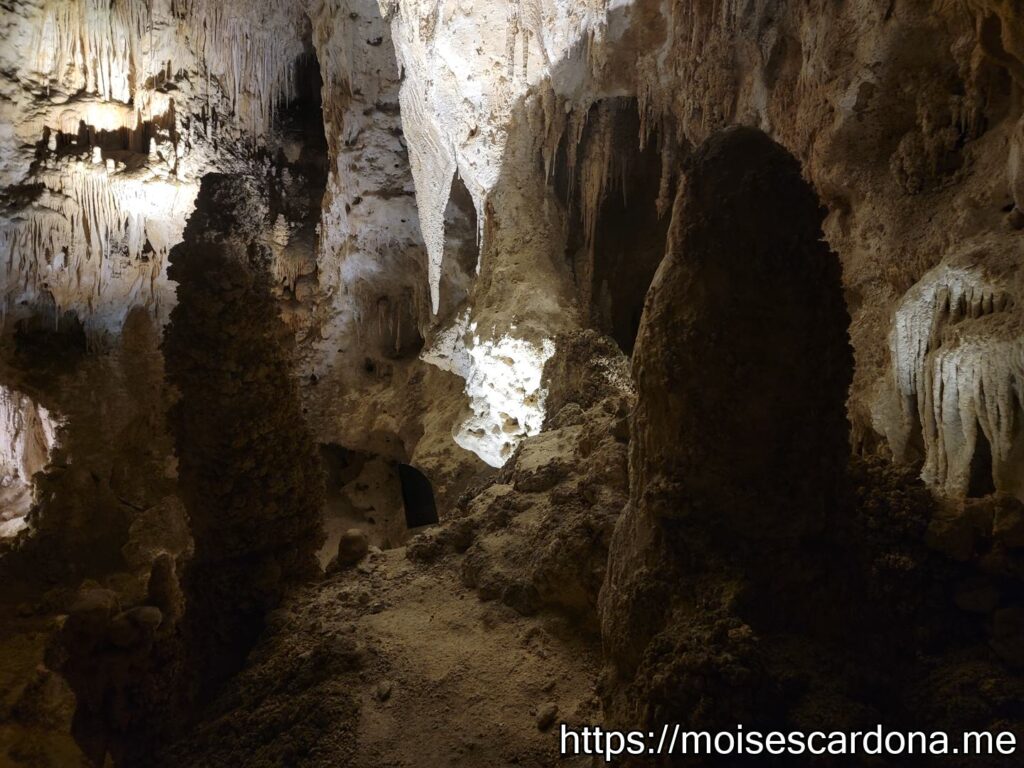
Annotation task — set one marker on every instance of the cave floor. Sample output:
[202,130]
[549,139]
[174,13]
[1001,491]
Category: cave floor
[396,663]
[468,677]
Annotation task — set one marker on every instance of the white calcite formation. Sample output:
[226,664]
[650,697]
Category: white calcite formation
[503,383]
[28,433]
[111,114]
[958,362]
[473,75]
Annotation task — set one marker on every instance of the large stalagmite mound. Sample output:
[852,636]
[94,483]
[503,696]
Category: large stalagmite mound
[249,471]
[738,438]
[753,578]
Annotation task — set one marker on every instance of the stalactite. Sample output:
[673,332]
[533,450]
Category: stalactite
[28,432]
[98,235]
[248,54]
[93,45]
[956,383]
[433,167]
[88,233]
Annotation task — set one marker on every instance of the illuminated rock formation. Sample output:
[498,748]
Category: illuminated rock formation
[27,435]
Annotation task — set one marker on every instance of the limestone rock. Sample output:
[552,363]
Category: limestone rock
[352,547]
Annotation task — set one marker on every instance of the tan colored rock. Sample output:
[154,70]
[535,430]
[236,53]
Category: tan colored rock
[352,547]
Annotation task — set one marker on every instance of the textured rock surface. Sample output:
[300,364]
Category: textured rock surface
[249,473]
[797,597]
[29,433]
[753,449]
[462,205]
[538,537]
[905,117]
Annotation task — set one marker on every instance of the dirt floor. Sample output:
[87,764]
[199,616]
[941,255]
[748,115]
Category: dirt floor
[395,663]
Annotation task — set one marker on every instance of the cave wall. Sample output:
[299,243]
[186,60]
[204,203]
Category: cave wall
[469,152]
[366,383]
[905,116]
[112,112]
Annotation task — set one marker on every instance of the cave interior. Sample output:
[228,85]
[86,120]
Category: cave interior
[387,383]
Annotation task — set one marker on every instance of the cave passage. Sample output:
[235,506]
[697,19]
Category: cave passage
[980,482]
[616,261]
[418,497]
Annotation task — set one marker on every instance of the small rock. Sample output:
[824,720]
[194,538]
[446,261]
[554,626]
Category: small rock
[352,547]
[383,691]
[425,548]
[461,534]
[1016,218]
[146,616]
[976,596]
[351,653]
[123,633]
[546,716]
[91,611]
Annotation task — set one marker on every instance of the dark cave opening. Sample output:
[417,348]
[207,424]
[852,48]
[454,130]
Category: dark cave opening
[44,336]
[301,150]
[615,262]
[301,122]
[418,497]
[980,482]
[364,490]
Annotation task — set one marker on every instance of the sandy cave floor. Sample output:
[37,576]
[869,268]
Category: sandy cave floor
[468,677]
[395,663]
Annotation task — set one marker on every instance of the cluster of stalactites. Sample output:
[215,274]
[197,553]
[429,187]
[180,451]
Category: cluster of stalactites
[95,239]
[252,53]
[90,237]
[439,145]
[958,362]
[93,46]
[118,49]
[595,166]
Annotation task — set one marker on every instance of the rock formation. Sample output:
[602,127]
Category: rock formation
[749,455]
[248,471]
[696,324]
